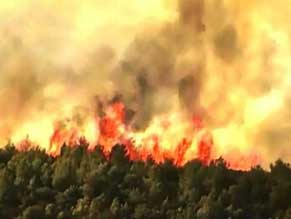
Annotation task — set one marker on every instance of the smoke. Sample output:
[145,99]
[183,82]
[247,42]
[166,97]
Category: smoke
[55,57]
[226,61]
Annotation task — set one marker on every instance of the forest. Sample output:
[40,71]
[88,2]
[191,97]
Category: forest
[80,184]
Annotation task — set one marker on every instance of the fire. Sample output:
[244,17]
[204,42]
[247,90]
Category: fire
[170,136]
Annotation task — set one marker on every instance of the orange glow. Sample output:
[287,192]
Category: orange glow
[168,137]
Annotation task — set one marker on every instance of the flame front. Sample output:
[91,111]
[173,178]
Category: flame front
[168,137]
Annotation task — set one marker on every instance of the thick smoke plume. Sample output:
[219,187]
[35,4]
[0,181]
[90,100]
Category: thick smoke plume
[225,61]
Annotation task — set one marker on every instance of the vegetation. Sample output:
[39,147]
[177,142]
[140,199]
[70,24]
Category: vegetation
[87,185]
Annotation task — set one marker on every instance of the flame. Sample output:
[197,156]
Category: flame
[170,136]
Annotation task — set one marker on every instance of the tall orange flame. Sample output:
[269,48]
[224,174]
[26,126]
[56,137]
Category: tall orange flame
[168,137]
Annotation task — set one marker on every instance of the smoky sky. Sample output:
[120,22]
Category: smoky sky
[217,59]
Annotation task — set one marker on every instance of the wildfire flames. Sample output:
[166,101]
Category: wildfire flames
[168,137]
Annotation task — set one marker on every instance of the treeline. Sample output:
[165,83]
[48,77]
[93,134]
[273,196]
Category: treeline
[87,185]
